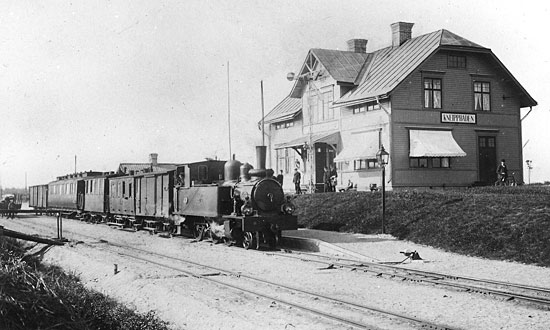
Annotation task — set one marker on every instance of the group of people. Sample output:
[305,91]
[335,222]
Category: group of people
[296,179]
[10,206]
[329,179]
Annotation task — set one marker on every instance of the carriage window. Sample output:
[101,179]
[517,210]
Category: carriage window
[203,172]
[123,189]
[130,190]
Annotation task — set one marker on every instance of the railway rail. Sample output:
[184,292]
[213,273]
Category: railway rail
[344,312]
[532,295]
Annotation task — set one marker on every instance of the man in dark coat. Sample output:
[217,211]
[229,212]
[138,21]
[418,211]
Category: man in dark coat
[326,180]
[11,208]
[333,177]
[502,172]
[280,178]
[296,180]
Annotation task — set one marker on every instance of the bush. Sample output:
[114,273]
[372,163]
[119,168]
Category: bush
[506,223]
[34,296]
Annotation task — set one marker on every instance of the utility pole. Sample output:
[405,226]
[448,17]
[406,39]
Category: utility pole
[229,113]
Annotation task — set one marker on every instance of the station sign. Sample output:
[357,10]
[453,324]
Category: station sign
[459,118]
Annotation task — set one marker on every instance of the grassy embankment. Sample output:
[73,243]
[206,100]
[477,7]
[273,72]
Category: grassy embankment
[34,296]
[505,223]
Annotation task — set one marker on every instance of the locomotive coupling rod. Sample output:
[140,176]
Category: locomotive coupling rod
[15,234]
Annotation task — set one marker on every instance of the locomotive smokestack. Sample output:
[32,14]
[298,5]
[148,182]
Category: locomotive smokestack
[260,157]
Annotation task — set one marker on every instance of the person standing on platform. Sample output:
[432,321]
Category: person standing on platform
[333,177]
[296,179]
[11,208]
[280,178]
[326,181]
[502,172]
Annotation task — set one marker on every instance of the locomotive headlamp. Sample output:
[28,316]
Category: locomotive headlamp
[244,195]
[247,209]
[288,208]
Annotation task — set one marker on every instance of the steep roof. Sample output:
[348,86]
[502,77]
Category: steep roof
[342,66]
[390,66]
[378,73]
[287,109]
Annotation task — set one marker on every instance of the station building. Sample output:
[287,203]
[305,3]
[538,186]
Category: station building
[446,110]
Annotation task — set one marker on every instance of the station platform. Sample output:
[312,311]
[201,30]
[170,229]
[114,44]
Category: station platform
[386,249]
[371,248]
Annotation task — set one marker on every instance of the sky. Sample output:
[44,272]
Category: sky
[113,81]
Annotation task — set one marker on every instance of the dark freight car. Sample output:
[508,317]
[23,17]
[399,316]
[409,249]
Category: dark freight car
[38,197]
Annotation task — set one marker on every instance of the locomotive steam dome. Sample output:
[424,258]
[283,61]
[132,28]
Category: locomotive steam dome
[231,170]
[268,195]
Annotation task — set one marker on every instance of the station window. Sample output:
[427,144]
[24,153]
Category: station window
[432,93]
[456,62]
[364,164]
[365,107]
[123,189]
[430,162]
[482,96]
[320,104]
[130,190]
[284,124]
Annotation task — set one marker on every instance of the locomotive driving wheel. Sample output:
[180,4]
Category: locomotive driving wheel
[199,231]
[250,240]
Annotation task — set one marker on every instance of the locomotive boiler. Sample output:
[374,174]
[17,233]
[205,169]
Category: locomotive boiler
[247,208]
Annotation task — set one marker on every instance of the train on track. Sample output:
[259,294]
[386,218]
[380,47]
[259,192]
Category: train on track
[229,201]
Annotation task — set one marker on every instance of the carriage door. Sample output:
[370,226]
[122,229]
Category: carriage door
[80,191]
[150,195]
[487,159]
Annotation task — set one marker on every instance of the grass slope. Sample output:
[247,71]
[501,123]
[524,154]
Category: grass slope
[505,223]
[34,296]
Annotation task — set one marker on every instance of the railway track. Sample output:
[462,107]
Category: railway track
[341,311]
[531,295]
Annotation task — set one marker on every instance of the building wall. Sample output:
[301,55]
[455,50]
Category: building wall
[502,121]
[369,121]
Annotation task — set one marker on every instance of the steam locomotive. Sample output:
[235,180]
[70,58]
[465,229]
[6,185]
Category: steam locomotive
[229,201]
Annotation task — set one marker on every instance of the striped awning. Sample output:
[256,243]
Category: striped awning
[362,145]
[427,143]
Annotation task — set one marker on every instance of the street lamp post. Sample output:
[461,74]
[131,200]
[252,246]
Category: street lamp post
[382,158]
[529,168]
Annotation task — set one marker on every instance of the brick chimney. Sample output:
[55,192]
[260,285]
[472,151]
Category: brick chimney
[400,32]
[153,159]
[357,45]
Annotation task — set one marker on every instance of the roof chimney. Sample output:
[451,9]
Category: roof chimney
[400,32]
[357,45]
[153,159]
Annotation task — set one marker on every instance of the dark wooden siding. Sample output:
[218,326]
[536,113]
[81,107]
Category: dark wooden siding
[457,96]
